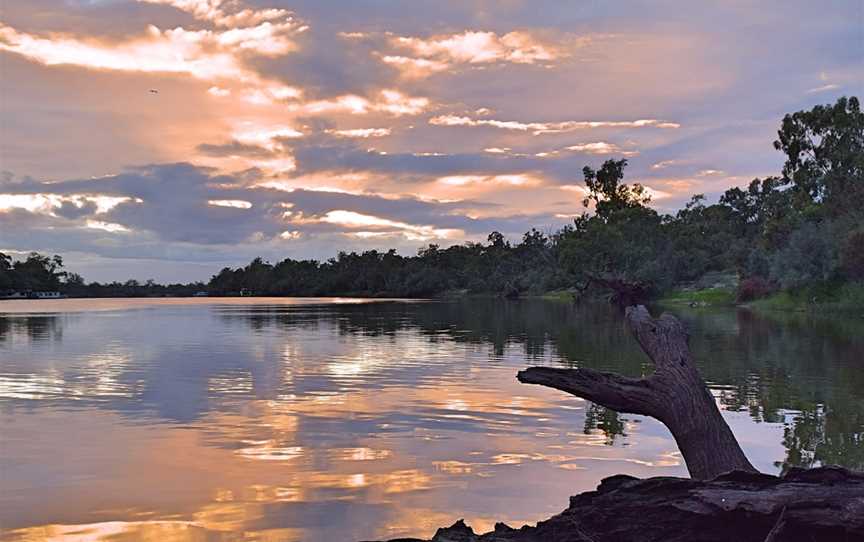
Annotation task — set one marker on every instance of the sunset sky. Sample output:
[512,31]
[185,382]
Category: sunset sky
[166,139]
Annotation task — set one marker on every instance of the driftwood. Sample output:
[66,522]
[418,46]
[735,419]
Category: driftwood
[822,504]
[675,394]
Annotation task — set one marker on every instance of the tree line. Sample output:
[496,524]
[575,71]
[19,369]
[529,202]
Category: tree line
[802,227]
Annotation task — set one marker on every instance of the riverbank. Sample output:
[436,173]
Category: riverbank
[819,298]
[816,504]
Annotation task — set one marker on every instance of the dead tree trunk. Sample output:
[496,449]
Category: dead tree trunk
[675,394]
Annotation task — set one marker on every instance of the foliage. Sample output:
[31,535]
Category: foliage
[824,150]
[754,287]
[34,273]
[707,296]
[816,297]
[809,254]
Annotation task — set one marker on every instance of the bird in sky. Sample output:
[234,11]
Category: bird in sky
[154,91]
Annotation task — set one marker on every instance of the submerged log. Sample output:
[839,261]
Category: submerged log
[804,505]
[675,394]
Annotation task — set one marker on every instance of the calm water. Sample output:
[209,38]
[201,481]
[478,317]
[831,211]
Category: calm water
[332,420]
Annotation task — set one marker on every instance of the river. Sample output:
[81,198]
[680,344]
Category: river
[343,419]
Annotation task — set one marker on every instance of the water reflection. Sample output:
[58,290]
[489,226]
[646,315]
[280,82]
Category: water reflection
[31,327]
[298,421]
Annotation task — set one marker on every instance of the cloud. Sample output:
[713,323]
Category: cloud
[60,204]
[420,57]
[362,133]
[218,91]
[388,101]
[372,226]
[415,67]
[823,88]
[203,54]
[538,128]
[268,94]
[663,164]
[234,203]
[475,47]
[600,147]
[521,180]
[110,227]
[234,148]
[215,12]
[206,208]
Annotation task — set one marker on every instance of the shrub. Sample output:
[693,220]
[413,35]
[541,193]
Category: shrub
[754,288]
[809,256]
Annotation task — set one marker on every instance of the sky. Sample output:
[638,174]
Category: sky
[167,139]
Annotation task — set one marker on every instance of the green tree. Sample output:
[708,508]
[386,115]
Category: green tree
[39,272]
[609,194]
[824,150]
[7,280]
[622,246]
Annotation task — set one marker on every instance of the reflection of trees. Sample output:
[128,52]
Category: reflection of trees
[771,365]
[40,327]
[609,422]
[820,436]
[767,366]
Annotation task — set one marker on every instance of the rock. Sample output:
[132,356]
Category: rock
[823,504]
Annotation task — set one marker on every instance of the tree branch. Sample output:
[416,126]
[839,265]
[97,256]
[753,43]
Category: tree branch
[630,395]
[675,394]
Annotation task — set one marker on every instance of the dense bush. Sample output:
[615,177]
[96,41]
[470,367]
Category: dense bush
[809,255]
[755,287]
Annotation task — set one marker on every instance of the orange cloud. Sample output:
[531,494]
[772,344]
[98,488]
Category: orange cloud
[388,101]
[373,226]
[517,180]
[473,47]
[214,11]
[203,54]
[361,132]
[414,67]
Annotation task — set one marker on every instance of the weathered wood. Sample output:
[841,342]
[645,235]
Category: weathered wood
[805,505]
[675,394]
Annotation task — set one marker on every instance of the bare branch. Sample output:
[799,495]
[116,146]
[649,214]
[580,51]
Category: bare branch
[611,390]
[675,394]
